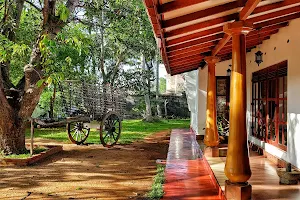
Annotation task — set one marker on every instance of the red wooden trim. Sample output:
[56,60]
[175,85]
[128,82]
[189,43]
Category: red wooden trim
[200,14]
[191,49]
[199,52]
[267,29]
[202,25]
[195,36]
[195,42]
[187,57]
[221,44]
[248,9]
[182,62]
[174,5]
[274,14]
[277,122]
[277,20]
[184,70]
[185,65]
[274,6]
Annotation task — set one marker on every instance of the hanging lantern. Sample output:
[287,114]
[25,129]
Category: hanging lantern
[258,57]
[229,70]
[259,54]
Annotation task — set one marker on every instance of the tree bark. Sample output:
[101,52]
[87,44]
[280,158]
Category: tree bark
[157,90]
[148,114]
[18,108]
[52,101]
[12,135]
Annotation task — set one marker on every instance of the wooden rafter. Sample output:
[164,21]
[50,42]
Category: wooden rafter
[201,51]
[190,57]
[277,20]
[243,15]
[221,44]
[175,5]
[186,39]
[191,49]
[187,62]
[274,14]
[201,25]
[248,9]
[195,36]
[150,4]
[196,42]
[276,5]
[202,13]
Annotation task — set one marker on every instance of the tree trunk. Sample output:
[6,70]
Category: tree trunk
[148,114]
[12,135]
[157,89]
[52,101]
[166,111]
[15,110]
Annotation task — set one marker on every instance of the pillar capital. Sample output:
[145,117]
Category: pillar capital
[238,28]
[211,59]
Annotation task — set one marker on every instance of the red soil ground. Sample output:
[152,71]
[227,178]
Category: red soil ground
[88,172]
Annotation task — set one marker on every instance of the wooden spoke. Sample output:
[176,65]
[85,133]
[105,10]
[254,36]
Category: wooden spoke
[110,129]
[77,133]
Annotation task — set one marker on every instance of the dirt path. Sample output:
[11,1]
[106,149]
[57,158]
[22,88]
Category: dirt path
[88,172]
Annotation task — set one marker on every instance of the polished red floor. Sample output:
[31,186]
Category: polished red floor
[188,175]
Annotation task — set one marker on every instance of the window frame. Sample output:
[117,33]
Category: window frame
[262,102]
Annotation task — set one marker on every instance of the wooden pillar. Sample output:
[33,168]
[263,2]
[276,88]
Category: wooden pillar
[237,168]
[211,138]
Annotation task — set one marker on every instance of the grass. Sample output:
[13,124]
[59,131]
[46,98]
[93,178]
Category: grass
[157,191]
[36,150]
[132,130]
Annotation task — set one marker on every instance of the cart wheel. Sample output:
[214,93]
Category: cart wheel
[77,132]
[110,129]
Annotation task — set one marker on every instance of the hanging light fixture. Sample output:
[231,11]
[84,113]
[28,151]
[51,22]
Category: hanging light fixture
[229,70]
[259,54]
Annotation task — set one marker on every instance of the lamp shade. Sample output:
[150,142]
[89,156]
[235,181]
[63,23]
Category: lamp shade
[258,57]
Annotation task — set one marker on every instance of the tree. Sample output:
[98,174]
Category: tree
[157,89]
[18,101]
[42,42]
[162,85]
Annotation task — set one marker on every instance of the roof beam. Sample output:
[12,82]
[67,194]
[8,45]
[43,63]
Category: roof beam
[201,25]
[274,14]
[187,69]
[174,5]
[186,62]
[190,50]
[228,49]
[185,66]
[248,9]
[193,53]
[195,56]
[195,36]
[243,15]
[221,44]
[277,21]
[273,6]
[152,5]
[200,14]
[195,42]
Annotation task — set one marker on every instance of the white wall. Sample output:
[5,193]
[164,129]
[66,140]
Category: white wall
[202,93]
[284,51]
[191,83]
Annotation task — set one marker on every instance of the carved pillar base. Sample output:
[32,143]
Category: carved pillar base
[237,191]
[211,151]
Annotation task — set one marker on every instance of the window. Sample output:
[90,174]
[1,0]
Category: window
[269,105]
[222,91]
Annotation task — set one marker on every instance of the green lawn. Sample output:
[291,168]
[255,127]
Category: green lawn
[132,130]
